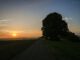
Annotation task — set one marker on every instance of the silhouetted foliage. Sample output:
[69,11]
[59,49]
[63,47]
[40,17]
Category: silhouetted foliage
[54,28]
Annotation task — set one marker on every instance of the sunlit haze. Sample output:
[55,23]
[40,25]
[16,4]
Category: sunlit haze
[23,18]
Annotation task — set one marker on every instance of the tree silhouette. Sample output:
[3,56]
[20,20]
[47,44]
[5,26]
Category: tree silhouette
[54,28]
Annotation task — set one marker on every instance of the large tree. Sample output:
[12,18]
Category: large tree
[54,28]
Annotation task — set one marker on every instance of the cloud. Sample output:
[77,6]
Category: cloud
[67,18]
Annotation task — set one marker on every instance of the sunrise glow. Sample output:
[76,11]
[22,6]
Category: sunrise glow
[14,34]
[23,18]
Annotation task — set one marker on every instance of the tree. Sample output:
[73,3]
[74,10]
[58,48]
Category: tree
[54,28]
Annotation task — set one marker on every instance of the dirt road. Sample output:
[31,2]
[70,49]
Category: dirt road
[38,51]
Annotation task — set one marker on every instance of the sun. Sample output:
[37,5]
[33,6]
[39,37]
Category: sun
[14,34]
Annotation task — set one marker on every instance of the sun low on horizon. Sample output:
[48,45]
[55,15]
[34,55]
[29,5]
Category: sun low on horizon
[14,34]
[18,34]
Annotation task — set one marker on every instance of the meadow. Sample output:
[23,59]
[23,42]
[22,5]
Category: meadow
[10,48]
[61,50]
[65,50]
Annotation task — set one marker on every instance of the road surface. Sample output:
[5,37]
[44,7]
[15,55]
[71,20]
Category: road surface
[38,51]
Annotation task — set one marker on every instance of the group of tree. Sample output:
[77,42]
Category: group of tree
[55,28]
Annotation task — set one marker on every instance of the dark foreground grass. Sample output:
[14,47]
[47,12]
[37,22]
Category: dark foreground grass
[65,50]
[9,49]
[60,50]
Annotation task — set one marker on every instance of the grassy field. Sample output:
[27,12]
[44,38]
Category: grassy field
[61,50]
[11,48]
[65,50]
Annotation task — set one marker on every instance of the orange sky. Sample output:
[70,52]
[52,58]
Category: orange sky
[16,34]
[25,16]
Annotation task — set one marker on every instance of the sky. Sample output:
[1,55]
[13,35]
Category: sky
[24,17]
